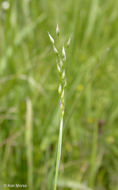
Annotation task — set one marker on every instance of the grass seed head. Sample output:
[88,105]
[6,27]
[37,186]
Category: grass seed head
[58,68]
[63,74]
[57,30]
[59,89]
[51,38]
[68,42]
[61,63]
[55,50]
[63,53]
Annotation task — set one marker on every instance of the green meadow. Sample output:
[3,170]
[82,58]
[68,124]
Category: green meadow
[29,101]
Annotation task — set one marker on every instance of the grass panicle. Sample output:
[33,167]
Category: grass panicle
[61,61]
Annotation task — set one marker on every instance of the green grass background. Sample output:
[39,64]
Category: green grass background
[29,105]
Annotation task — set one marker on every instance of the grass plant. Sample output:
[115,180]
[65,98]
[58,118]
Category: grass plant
[31,120]
[61,61]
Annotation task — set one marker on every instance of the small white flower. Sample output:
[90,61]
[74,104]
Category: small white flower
[5,5]
[59,89]
[57,30]
[51,38]
[58,68]
[64,53]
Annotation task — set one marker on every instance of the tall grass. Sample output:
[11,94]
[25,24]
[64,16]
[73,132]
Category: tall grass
[61,61]
[28,69]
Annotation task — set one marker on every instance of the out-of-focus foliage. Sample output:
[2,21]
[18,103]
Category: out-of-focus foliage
[29,106]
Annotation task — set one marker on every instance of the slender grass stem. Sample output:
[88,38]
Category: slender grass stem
[29,143]
[58,152]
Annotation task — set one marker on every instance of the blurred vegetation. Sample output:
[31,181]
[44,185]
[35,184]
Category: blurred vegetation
[29,106]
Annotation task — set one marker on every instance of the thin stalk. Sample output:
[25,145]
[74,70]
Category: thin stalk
[61,60]
[58,152]
[93,157]
[28,136]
